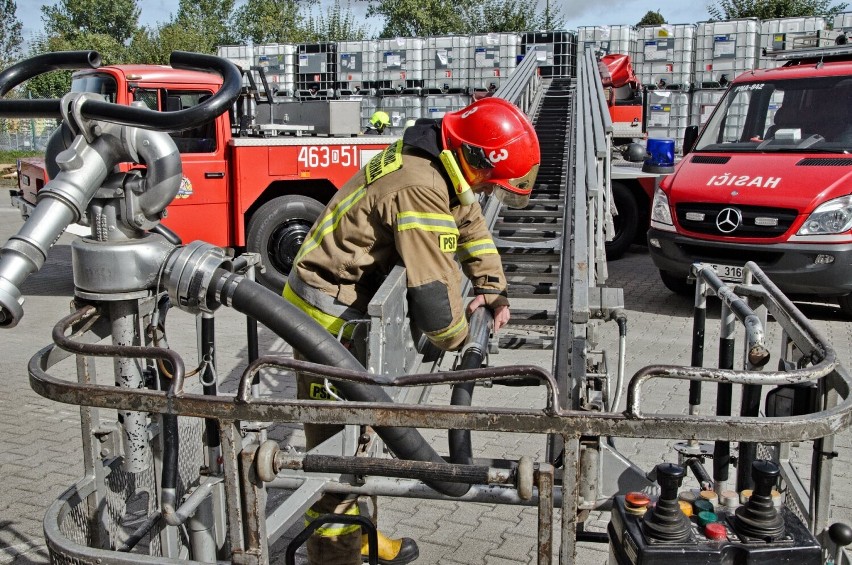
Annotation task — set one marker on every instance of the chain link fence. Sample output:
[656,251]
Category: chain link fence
[29,134]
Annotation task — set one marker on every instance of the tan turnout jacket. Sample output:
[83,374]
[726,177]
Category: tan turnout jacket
[398,208]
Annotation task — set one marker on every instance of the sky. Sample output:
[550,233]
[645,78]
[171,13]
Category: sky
[576,12]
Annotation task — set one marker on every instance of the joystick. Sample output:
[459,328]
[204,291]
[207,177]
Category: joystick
[759,518]
[666,521]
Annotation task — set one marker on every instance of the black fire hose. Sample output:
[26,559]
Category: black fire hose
[473,353]
[318,346]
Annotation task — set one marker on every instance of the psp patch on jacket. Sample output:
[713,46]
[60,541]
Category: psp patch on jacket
[448,242]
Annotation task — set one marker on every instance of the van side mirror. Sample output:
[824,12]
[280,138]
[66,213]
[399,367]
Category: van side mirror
[689,138]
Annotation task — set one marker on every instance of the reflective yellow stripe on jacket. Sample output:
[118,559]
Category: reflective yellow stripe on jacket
[471,249]
[330,222]
[330,529]
[329,322]
[427,221]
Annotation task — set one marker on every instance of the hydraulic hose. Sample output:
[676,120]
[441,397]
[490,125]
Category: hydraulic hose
[318,346]
[473,353]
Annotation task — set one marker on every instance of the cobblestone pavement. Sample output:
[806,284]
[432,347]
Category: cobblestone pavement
[39,439]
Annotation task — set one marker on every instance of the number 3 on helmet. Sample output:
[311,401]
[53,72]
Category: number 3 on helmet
[495,144]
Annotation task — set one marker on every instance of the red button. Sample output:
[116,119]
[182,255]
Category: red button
[637,499]
[716,531]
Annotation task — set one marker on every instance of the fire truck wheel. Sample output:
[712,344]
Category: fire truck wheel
[276,231]
[626,222]
[845,302]
[677,284]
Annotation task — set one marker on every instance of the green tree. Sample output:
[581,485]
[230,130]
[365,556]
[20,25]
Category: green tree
[510,16]
[118,19]
[768,9]
[410,18]
[154,46]
[57,83]
[652,18]
[270,21]
[10,33]
[337,24]
[210,19]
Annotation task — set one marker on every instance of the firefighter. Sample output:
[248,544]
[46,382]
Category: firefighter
[378,122]
[415,202]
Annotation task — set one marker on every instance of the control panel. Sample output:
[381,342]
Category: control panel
[700,528]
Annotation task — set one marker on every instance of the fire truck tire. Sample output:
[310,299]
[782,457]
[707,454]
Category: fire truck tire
[677,284]
[626,222]
[276,231]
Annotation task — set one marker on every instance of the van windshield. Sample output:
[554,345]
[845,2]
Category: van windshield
[99,84]
[806,115]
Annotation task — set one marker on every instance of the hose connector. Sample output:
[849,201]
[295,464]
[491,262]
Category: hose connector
[190,272]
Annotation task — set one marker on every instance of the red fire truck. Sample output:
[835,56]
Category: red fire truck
[768,180]
[261,191]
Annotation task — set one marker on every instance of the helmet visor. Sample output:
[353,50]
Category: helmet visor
[515,193]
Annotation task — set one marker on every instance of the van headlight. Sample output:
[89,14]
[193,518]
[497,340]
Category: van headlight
[832,217]
[661,214]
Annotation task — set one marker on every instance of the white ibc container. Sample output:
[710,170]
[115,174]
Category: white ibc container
[609,40]
[843,22]
[240,55]
[724,50]
[785,34]
[446,67]
[357,64]
[278,61]
[665,56]
[369,104]
[400,109]
[400,62]
[495,55]
[437,106]
[703,102]
[668,115]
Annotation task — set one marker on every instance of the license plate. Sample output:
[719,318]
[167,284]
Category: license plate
[728,272]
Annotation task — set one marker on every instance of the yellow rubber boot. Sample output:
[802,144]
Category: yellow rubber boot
[391,551]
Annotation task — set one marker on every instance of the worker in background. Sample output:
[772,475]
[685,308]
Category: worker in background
[416,203]
[378,122]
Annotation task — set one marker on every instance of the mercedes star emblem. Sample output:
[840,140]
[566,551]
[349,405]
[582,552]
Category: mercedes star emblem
[728,220]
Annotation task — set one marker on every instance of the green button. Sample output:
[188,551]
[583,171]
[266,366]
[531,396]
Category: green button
[705,518]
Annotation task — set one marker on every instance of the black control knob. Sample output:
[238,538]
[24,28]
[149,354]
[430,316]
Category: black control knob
[666,521]
[759,518]
[669,477]
[840,534]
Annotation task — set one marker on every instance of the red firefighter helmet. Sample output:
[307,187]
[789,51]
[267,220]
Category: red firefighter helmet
[495,144]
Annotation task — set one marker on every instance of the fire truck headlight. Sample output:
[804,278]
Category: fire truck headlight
[833,217]
[661,215]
